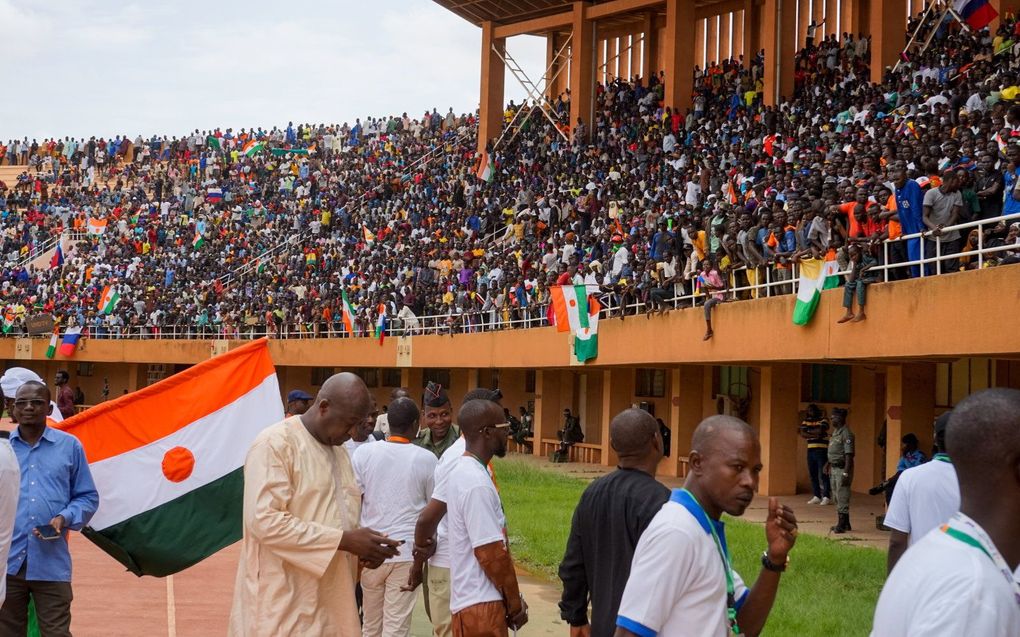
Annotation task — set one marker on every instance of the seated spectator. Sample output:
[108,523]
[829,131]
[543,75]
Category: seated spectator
[857,281]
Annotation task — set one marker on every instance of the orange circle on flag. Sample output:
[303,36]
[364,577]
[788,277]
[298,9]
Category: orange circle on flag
[178,463]
[573,302]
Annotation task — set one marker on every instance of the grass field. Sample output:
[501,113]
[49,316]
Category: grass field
[830,589]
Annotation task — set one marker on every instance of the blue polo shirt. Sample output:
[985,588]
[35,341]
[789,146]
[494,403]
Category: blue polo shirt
[910,207]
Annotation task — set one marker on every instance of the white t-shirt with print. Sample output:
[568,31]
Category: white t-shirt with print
[396,482]
[441,557]
[475,519]
[677,584]
[925,497]
[10,489]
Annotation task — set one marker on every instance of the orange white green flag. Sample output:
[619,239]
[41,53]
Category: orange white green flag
[168,460]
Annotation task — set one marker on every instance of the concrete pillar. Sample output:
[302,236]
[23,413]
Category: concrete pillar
[803,20]
[686,399]
[779,35]
[625,54]
[867,402]
[818,13]
[617,395]
[490,114]
[699,44]
[725,50]
[472,379]
[713,39]
[777,428]
[547,407]
[552,45]
[738,34]
[752,30]
[134,379]
[582,68]
[831,17]
[887,35]
[910,408]
[850,19]
[680,55]
[649,47]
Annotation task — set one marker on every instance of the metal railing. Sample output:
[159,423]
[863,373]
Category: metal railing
[765,284]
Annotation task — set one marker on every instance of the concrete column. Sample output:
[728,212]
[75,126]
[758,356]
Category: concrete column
[779,35]
[910,408]
[649,48]
[472,380]
[867,402]
[738,33]
[625,55]
[547,406]
[831,17]
[752,30]
[819,13]
[712,36]
[617,395]
[724,35]
[850,19]
[777,428]
[803,20]
[582,68]
[686,398]
[680,55]
[887,35]
[490,115]
[552,45]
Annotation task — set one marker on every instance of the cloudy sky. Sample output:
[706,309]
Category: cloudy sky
[106,67]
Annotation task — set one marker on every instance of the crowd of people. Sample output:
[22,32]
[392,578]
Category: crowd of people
[251,231]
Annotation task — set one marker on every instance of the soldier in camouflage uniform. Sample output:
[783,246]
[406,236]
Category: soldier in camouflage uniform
[841,467]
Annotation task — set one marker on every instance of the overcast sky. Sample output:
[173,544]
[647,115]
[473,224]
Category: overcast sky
[107,67]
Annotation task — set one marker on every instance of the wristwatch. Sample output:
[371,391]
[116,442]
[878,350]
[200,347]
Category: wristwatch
[769,565]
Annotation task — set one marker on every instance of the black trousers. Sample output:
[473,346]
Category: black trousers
[52,607]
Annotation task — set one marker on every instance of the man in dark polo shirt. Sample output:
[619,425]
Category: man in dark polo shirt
[612,514]
[815,429]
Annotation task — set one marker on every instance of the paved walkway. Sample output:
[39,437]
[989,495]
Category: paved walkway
[110,602]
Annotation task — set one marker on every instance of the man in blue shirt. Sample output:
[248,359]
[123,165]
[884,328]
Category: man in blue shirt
[910,208]
[57,490]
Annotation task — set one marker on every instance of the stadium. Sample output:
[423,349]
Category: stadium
[686,215]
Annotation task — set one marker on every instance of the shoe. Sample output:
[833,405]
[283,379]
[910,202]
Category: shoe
[843,525]
[825,502]
[814,500]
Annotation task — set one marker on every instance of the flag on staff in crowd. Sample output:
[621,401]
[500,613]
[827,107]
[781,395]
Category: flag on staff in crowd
[168,460]
[311,258]
[347,313]
[484,170]
[109,300]
[70,341]
[96,226]
[213,195]
[214,142]
[369,235]
[976,13]
[58,257]
[280,152]
[51,351]
[570,304]
[198,241]
[253,147]
[8,319]
[380,326]
[586,339]
[815,275]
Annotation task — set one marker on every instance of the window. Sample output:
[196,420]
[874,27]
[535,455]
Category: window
[732,381]
[650,383]
[368,374]
[85,369]
[821,383]
[392,378]
[441,376]
[320,374]
[529,381]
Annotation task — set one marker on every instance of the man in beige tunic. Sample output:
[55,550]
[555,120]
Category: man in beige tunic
[302,544]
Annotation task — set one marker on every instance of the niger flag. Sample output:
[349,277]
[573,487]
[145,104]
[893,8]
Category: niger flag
[168,460]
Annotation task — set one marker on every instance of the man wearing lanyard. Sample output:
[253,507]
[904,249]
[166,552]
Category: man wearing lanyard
[959,578]
[925,496]
[484,596]
[395,478]
[681,581]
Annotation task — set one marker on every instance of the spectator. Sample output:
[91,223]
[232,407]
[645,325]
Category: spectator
[439,432]
[298,401]
[815,430]
[65,395]
[857,282]
[570,435]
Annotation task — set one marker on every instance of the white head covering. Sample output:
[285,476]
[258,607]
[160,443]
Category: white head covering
[15,377]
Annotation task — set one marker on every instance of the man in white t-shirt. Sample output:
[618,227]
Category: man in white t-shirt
[382,425]
[681,580]
[10,487]
[361,435]
[431,534]
[395,478]
[484,597]
[959,578]
[925,496]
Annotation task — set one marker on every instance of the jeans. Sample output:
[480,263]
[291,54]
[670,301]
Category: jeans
[859,286]
[948,247]
[816,459]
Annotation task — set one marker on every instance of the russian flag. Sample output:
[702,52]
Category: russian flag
[976,13]
[70,341]
[58,257]
[214,194]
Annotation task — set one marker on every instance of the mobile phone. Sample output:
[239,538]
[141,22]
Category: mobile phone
[48,532]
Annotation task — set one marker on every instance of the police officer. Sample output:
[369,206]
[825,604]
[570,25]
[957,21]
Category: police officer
[841,467]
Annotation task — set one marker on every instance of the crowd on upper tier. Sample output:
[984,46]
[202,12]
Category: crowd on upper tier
[233,232]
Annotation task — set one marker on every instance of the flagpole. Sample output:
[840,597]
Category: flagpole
[171,608]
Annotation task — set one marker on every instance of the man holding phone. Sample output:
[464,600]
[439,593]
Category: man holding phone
[56,491]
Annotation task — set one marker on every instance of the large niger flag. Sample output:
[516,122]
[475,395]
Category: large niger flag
[168,460]
[815,275]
